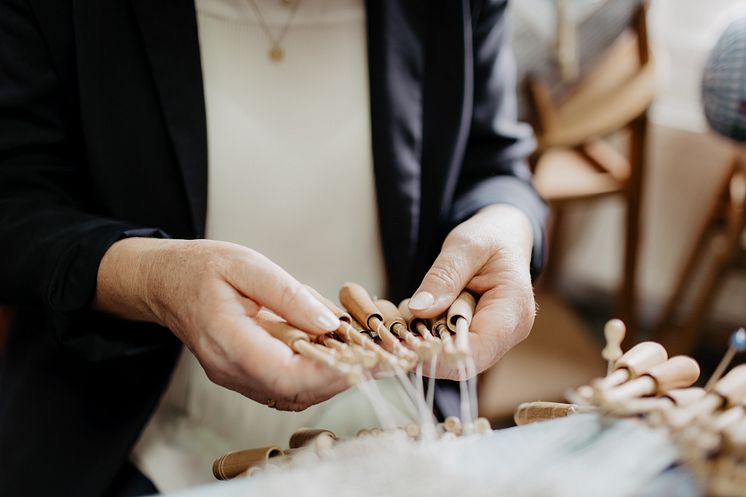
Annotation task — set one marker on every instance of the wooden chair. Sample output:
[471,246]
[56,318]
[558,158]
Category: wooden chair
[725,225]
[575,163]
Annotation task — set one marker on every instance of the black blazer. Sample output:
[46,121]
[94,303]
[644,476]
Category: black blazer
[102,136]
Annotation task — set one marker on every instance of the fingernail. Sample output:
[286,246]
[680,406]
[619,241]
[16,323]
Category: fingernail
[421,301]
[328,321]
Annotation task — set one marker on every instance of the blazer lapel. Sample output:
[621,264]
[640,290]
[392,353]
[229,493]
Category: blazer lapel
[169,31]
[396,66]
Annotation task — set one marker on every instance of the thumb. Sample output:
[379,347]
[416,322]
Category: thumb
[269,285]
[448,276]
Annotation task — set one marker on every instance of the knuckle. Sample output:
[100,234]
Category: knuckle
[445,275]
[472,242]
[459,234]
[290,294]
[250,256]
[212,264]
[458,239]
[483,245]
[231,259]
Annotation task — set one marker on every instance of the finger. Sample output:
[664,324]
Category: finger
[454,267]
[503,317]
[288,376]
[271,286]
[304,400]
[491,335]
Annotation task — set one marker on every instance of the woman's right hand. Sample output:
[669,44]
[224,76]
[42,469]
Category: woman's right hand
[206,292]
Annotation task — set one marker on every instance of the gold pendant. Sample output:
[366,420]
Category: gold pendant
[276,53]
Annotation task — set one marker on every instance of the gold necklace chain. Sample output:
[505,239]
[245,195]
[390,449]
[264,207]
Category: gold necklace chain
[276,52]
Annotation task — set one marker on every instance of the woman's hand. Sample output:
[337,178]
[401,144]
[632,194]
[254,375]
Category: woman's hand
[489,254]
[206,293]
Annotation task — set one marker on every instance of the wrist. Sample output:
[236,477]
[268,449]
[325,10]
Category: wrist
[127,284]
[512,228]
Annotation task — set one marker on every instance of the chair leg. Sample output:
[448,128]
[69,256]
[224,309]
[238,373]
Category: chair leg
[634,193]
[685,340]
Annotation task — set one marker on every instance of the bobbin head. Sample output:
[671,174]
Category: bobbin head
[614,332]
[642,357]
[732,386]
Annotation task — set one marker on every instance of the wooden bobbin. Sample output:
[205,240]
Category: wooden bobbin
[534,412]
[365,330]
[482,426]
[736,345]
[727,418]
[452,425]
[360,305]
[582,395]
[349,329]
[349,332]
[376,431]
[677,397]
[351,352]
[385,357]
[676,372]
[366,357]
[300,343]
[391,317]
[633,363]
[412,430]
[419,326]
[682,397]
[232,464]
[398,325]
[391,341]
[343,351]
[734,439]
[352,372]
[280,329]
[459,318]
[440,328]
[336,310]
[729,390]
[732,386]
[614,332]
[317,437]
[354,324]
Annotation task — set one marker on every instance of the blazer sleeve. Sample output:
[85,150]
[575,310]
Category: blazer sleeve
[51,240]
[495,168]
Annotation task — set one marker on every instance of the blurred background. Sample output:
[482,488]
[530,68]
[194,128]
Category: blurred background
[647,218]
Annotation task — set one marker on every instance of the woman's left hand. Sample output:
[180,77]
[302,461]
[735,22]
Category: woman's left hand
[489,255]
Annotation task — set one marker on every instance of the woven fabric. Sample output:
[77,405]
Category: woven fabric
[724,83]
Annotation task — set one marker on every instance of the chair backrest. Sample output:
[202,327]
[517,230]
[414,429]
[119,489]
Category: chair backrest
[543,103]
